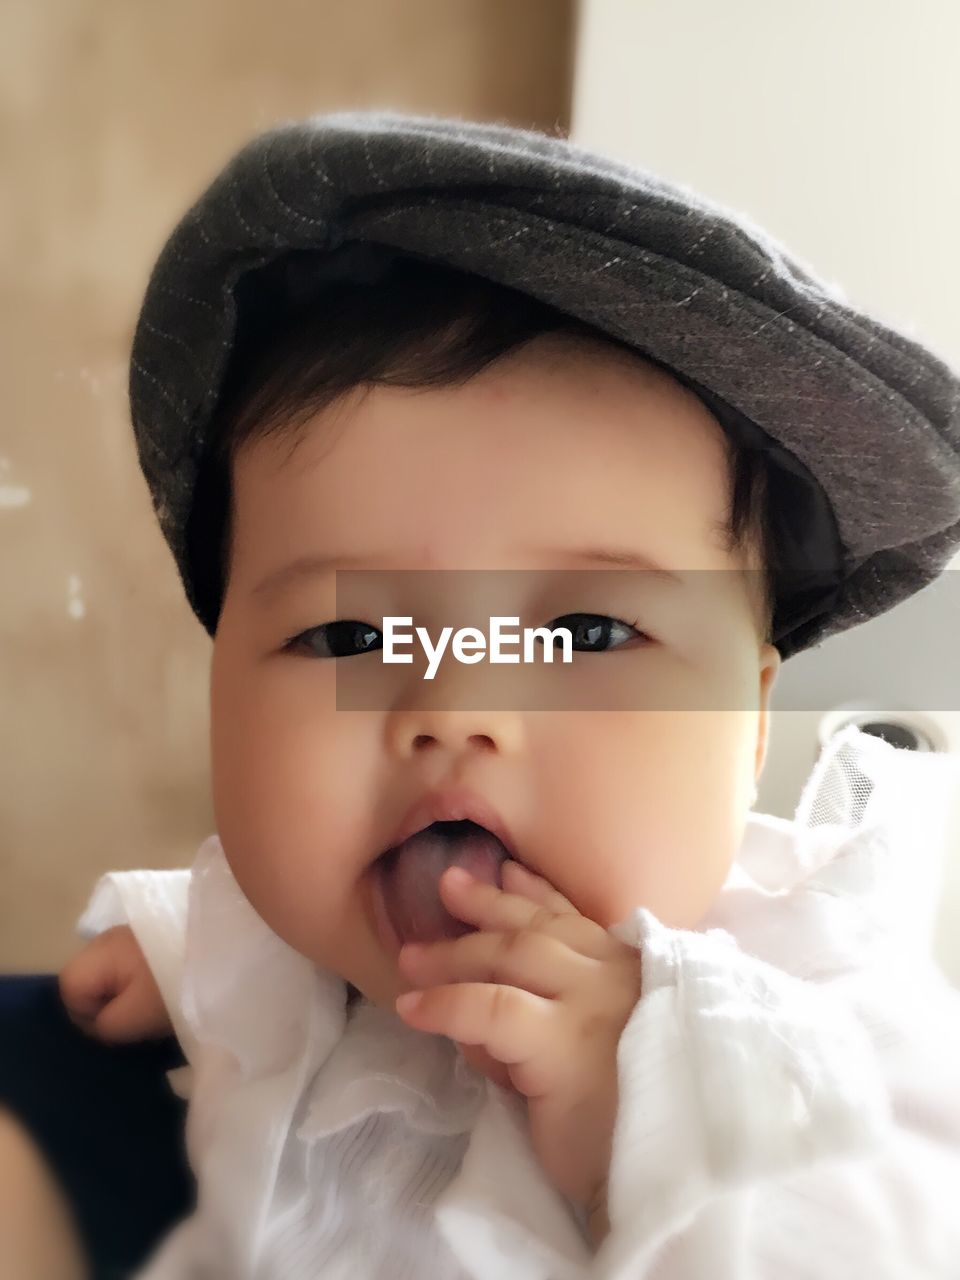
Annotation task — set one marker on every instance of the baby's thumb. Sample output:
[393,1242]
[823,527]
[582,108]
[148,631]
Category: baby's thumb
[488,1066]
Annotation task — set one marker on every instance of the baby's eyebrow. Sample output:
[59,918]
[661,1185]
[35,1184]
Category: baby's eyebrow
[312,566]
[621,558]
[718,532]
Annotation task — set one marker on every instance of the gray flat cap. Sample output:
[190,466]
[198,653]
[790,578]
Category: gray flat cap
[861,424]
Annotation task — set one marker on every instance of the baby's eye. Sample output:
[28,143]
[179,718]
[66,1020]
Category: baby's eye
[340,639]
[591,632]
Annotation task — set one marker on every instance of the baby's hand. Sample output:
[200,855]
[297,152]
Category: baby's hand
[109,992]
[539,995]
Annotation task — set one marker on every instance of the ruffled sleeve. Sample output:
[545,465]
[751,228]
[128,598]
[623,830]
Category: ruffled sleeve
[154,904]
[797,1125]
[730,1073]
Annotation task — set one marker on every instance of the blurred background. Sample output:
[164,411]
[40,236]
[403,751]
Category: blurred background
[834,126]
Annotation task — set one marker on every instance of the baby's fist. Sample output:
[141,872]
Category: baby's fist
[109,992]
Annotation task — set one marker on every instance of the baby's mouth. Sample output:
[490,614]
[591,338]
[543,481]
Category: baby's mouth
[410,873]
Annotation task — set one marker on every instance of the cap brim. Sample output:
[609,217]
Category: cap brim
[858,407]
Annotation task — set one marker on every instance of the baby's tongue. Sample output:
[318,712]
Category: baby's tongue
[411,874]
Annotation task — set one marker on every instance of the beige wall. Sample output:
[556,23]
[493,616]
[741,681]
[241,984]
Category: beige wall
[113,116]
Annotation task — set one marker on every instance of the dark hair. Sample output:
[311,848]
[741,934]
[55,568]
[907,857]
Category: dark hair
[420,325]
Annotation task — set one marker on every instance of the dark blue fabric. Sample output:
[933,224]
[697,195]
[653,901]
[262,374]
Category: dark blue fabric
[104,1116]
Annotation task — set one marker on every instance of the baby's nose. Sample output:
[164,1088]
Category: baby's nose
[460,732]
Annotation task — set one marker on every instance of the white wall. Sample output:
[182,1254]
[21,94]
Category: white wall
[835,126]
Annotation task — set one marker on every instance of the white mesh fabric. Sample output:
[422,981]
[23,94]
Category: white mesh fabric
[864,789]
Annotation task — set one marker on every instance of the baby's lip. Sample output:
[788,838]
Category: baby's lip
[384,926]
[453,804]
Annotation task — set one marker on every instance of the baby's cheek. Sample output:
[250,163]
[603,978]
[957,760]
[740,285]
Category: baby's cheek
[281,895]
[676,882]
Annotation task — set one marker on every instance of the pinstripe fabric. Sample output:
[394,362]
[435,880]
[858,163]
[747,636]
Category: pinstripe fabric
[692,284]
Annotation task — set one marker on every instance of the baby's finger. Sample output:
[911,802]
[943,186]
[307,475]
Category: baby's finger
[481,1061]
[82,1007]
[88,980]
[527,884]
[534,961]
[489,907]
[137,1013]
[523,1031]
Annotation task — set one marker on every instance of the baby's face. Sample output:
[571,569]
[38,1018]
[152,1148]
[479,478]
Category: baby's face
[563,445]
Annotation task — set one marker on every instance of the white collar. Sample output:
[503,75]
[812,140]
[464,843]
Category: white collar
[268,1020]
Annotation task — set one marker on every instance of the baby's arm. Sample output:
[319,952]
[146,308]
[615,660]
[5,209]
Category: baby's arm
[125,983]
[108,990]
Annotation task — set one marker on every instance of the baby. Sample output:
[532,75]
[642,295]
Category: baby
[484,985]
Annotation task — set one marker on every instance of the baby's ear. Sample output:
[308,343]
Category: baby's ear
[770,663]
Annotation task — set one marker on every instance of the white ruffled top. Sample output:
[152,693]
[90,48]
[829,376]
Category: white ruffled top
[788,1099]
